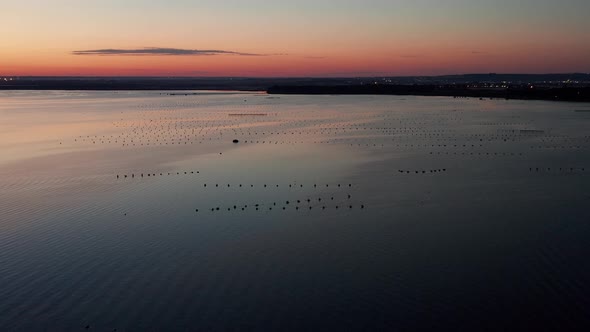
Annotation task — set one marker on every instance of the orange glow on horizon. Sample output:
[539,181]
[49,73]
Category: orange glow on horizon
[314,38]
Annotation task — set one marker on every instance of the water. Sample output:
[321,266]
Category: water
[426,213]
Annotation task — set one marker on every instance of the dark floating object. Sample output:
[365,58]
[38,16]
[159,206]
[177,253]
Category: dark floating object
[236,141]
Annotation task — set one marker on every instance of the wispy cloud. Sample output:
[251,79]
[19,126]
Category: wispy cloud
[161,51]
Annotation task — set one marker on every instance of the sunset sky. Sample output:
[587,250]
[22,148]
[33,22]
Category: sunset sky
[293,38]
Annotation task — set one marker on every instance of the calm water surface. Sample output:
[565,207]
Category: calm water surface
[136,211]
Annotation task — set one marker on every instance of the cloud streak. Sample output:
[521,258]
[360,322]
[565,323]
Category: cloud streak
[161,51]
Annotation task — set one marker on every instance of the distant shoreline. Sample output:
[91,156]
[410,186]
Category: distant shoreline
[581,94]
[519,87]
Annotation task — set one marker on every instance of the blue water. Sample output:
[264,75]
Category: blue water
[424,213]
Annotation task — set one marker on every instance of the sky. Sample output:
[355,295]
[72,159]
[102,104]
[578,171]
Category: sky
[280,38]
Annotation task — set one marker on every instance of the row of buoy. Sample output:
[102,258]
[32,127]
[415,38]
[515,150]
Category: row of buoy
[508,154]
[141,175]
[423,171]
[286,203]
[247,114]
[467,146]
[217,185]
[449,145]
[335,141]
[557,169]
[315,185]
[284,208]
[509,124]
